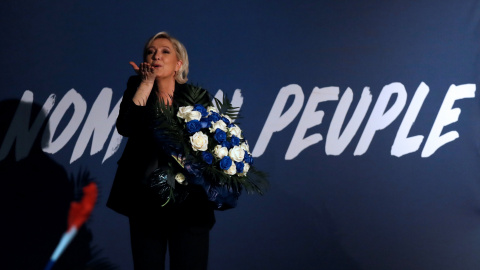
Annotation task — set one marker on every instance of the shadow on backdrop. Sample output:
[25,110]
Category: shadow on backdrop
[36,197]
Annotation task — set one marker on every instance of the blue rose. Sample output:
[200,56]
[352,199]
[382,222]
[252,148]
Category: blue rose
[226,120]
[239,166]
[214,117]
[226,144]
[207,157]
[220,135]
[205,123]
[235,141]
[248,158]
[193,126]
[201,109]
[225,163]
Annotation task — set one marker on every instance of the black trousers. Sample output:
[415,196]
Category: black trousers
[150,238]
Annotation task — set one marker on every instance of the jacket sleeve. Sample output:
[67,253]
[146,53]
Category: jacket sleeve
[131,117]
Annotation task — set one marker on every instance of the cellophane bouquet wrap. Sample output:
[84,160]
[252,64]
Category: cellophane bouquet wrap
[210,148]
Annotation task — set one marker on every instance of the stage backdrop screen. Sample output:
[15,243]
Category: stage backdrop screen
[364,114]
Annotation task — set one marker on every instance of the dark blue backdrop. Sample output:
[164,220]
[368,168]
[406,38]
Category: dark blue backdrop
[353,210]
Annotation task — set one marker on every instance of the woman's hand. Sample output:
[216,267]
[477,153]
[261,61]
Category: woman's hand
[148,78]
[135,67]
[146,71]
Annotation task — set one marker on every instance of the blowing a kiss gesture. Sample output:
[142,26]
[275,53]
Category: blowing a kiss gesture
[158,69]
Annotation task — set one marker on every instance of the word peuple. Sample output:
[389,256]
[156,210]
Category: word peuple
[380,118]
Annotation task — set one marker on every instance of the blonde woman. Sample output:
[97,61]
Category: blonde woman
[183,228]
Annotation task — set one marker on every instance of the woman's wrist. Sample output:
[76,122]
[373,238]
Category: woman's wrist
[143,92]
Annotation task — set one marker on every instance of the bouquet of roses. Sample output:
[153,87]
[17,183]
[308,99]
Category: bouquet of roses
[209,147]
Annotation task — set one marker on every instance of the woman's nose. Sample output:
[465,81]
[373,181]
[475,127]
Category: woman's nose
[156,56]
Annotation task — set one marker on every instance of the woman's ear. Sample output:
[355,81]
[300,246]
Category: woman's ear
[179,65]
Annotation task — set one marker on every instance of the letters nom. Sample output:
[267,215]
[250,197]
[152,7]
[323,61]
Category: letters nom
[98,125]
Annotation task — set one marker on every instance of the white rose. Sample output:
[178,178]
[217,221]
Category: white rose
[219,124]
[182,111]
[220,151]
[246,167]
[245,147]
[180,178]
[235,131]
[212,109]
[193,115]
[232,170]
[199,141]
[236,154]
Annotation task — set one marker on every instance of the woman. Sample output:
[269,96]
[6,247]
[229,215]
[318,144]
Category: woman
[184,227]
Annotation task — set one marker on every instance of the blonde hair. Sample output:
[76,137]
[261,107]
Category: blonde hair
[181,52]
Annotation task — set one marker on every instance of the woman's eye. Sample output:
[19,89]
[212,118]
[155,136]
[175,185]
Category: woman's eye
[149,51]
[166,51]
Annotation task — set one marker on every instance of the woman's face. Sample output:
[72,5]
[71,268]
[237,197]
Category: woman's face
[162,57]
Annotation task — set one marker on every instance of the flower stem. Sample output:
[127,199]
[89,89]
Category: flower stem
[166,201]
[180,161]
